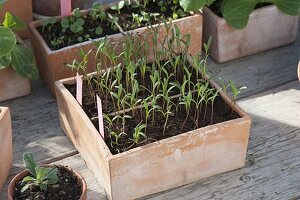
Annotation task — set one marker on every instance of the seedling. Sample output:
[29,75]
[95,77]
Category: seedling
[41,177]
[146,94]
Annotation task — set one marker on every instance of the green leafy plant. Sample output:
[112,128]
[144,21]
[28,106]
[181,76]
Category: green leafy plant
[40,177]
[237,12]
[13,53]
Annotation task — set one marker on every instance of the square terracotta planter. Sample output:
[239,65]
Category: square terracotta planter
[267,28]
[6,150]
[158,166]
[51,64]
[20,8]
[13,85]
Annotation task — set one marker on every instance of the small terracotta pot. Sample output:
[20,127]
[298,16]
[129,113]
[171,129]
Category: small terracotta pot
[52,8]
[24,173]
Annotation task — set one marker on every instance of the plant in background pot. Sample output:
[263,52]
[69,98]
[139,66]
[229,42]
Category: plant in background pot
[57,41]
[165,123]
[241,28]
[20,8]
[6,149]
[46,182]
[17,63]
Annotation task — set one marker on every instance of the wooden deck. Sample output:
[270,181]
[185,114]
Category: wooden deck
[273,158]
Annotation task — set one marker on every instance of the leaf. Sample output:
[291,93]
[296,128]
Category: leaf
[290,7]
[194,5]
[22,60]
[7,41]
[52,177]
[236,12]
[118,6]
[41,172]
[5,61]
[13,22]
[99,30]
[30,163]
[65,23]
[28,178]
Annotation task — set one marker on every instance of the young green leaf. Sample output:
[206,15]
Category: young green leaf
[30,163]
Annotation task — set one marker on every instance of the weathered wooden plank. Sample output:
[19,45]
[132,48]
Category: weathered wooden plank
[263,71]
[273,158]
[36,127]
[95,191]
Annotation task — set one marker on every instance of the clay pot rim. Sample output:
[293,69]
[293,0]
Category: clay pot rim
[25,172]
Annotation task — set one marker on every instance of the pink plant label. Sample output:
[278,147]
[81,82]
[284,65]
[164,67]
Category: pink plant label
[100,116]
[79,89]
[65,7]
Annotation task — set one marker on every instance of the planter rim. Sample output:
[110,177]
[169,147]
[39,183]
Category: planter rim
[221,19]
[33,27]
[25,172]
[60,86]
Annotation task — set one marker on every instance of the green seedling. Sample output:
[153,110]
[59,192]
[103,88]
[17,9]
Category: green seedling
[138,133]
[41,177]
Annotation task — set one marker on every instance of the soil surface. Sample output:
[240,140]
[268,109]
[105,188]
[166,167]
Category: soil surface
[67,188]
[216,7]
[178,122]
[126,20]
[53,32]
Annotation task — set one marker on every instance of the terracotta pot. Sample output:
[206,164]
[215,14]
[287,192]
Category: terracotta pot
[24,173]
[20,8]
[262,33]
[13,85]
[6,149]
[52,8]
[51,64]
[161,165]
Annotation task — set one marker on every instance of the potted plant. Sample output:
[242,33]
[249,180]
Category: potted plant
[46,182]
[241,28]
[5,144]
[162,124]
[53,49]
[20,8]
[17,63]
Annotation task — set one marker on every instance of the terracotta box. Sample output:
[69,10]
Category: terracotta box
[13,85]
[51,64]
[267,28]
[20,8]
[6,150]
[158,166]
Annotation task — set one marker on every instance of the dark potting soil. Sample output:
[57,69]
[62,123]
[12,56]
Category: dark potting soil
[216,7]
[68,187]
[127,22]
[219,113]
[70,38]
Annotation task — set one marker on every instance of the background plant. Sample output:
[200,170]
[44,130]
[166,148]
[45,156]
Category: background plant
[13,53]
[237,12]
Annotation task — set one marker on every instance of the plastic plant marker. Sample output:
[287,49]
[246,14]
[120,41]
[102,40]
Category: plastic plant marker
[65,7]
[100,116]
[79,89]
